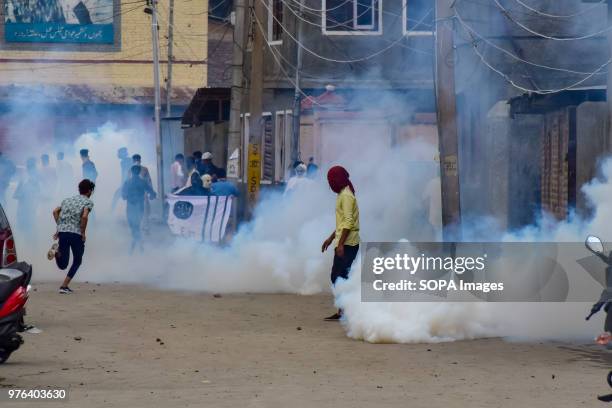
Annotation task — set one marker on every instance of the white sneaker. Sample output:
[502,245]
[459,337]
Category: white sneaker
[52,251]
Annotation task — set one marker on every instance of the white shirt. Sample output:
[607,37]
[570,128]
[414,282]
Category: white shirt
[177,177]
[297,182]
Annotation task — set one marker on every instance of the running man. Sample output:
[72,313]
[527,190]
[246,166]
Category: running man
[71,219]
[346,234]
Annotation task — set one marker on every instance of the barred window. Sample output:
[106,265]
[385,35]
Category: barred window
[275,21]
[419,17]
[352,17]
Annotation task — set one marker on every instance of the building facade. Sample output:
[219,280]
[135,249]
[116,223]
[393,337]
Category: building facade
[518,160]
[68,67]
[352,53]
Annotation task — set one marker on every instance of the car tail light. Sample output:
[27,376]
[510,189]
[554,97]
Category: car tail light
[9,254]
[14,302]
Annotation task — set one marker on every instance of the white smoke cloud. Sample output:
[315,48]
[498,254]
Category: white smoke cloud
[279,251]
[435,322]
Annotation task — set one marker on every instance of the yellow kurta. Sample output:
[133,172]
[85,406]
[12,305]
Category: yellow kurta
[347,217]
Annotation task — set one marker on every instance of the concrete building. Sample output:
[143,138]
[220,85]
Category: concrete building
[521,154]
[352,54]
[84,64]
[205,121]
[531,106]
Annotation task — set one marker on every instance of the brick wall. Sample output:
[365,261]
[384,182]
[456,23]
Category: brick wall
[130,63]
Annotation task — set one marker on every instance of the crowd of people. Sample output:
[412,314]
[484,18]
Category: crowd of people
[38,185]
[197,175]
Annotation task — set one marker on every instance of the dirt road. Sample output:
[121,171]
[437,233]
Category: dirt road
[134,347]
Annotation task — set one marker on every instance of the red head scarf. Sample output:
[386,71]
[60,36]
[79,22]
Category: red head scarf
[338,178]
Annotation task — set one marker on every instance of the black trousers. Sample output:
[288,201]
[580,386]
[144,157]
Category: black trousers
[342,265]
[69,241]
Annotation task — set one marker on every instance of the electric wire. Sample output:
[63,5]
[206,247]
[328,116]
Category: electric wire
[296,14]
[315,54]
[312,10]
[280,65]
[507,13]
[178,33]
[529,90]
[127,58]
[541,13]
[470,29]
[203,12]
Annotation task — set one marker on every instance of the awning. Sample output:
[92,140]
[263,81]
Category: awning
[539,104]
[208,105]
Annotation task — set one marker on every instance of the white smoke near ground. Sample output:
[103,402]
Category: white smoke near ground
[279,251]
[444,321]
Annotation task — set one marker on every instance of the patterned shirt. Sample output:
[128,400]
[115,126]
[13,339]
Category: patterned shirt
[71,212]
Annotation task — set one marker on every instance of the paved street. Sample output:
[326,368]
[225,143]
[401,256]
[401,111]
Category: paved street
[136,347]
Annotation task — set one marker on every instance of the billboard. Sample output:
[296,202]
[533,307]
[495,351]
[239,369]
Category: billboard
[59,21]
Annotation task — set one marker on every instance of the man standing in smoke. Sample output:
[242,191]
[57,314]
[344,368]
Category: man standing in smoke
[299,180]
[134,191]
[190,170]
[177,173]
[89,168]
[312,168]
[27,195]
[48,179]
[125,164]
[65,175]
[208,167]
[146,176]
[197,158]
[71,218]
[346,234]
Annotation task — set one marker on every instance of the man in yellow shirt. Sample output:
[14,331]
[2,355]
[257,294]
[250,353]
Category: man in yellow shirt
[346,234]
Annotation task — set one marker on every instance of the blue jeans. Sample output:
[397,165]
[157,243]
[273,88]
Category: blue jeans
[69,241]
[135,214]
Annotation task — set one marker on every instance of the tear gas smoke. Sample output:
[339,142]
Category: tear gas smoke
[279,251]
[437,322]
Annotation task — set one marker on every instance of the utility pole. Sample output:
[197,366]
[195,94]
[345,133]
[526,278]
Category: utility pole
[295,140]
[608,142]
[444,80]
[234,140]
[170,57]
[158,141]
[255,104]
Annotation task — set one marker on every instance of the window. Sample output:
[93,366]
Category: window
[220,9]
[363,10]
[275,147]
[349,17]
[275,21]
[267,149]
[283,134]
[419,17]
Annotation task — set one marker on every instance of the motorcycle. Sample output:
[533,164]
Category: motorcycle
[14,293]
[595,245]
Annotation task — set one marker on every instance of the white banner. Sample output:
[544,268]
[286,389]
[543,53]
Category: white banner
[202,218]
